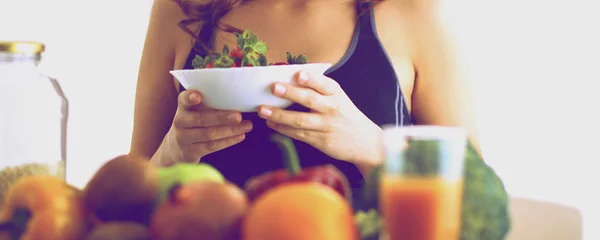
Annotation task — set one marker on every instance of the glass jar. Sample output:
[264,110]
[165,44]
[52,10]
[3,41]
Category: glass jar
[33,116]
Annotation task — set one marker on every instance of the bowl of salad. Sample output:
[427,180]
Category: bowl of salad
[239,78]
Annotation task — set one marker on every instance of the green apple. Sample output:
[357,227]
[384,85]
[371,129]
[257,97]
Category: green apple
[183,173]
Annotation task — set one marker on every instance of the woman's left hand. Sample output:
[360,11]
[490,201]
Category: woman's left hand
[334,125]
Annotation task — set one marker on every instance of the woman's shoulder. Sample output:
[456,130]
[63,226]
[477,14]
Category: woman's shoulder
[395,28]
[413,23]
[410,6]
[165,23]
[411,14]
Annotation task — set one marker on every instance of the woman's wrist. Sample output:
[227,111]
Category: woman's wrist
[369,162]
[159,159]
[372,155]
[163,156]
[365,168]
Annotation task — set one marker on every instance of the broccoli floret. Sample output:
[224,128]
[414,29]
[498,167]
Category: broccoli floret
[485,200]
[369,224]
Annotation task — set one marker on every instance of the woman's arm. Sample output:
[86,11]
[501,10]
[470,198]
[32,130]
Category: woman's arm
[156,97]
[443,94]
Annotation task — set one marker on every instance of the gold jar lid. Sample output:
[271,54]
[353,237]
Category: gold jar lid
[22,47]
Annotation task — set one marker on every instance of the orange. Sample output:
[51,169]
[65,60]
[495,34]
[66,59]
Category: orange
[300,211]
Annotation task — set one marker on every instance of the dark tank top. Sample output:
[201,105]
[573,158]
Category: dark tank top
[366,75]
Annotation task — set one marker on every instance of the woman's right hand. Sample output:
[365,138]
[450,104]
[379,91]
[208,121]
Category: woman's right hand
[198,130]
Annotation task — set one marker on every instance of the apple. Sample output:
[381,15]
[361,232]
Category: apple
[182,173]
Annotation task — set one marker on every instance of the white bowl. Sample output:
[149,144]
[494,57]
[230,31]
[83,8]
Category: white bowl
[243,89]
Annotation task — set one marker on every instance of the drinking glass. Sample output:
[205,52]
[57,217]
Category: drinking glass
[422,182]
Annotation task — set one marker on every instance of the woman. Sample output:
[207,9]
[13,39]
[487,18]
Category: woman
[394,63]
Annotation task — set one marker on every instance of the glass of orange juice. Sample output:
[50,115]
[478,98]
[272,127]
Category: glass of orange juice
[422,182]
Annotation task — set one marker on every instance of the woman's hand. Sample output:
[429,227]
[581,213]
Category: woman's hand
[198,130]
[334,125]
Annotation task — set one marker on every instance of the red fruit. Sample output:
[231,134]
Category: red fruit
[209,65]
[236,53]
[280,63]
[327,175]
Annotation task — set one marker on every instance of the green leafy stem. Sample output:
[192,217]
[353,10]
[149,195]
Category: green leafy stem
[250,51]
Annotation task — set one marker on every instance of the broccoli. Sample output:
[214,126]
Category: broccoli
[485,201]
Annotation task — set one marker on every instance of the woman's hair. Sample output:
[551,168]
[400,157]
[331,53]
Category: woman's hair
[212,12]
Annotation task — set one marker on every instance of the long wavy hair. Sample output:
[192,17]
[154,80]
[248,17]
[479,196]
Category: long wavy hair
[212,12]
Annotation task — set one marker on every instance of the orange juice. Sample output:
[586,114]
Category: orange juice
[421,208]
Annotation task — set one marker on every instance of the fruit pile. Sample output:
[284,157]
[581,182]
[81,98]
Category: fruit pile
[249,52]
[129,199]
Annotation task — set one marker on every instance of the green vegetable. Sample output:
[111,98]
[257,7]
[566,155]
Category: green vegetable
[248,42]
[485,202]
[250,51]
[369,223]
[287,148]
[300,59]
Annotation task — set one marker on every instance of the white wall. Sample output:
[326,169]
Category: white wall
[534,62]
[94,48]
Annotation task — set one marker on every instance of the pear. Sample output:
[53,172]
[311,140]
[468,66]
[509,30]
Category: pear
[182,173]
[123,189]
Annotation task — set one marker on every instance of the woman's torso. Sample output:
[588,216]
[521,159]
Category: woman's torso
[371,60]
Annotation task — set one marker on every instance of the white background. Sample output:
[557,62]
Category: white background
[535,63]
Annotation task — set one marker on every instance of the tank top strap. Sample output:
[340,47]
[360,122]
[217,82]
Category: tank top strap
[365,19]
[205,36]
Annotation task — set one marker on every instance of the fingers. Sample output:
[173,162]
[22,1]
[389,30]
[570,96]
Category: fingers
[204,148]
[321,84]
[220,144]
[205,118]
[199,130]
[198,142]
[309,121]
[304,96]
[304,135]
[190,99]
[208,134]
